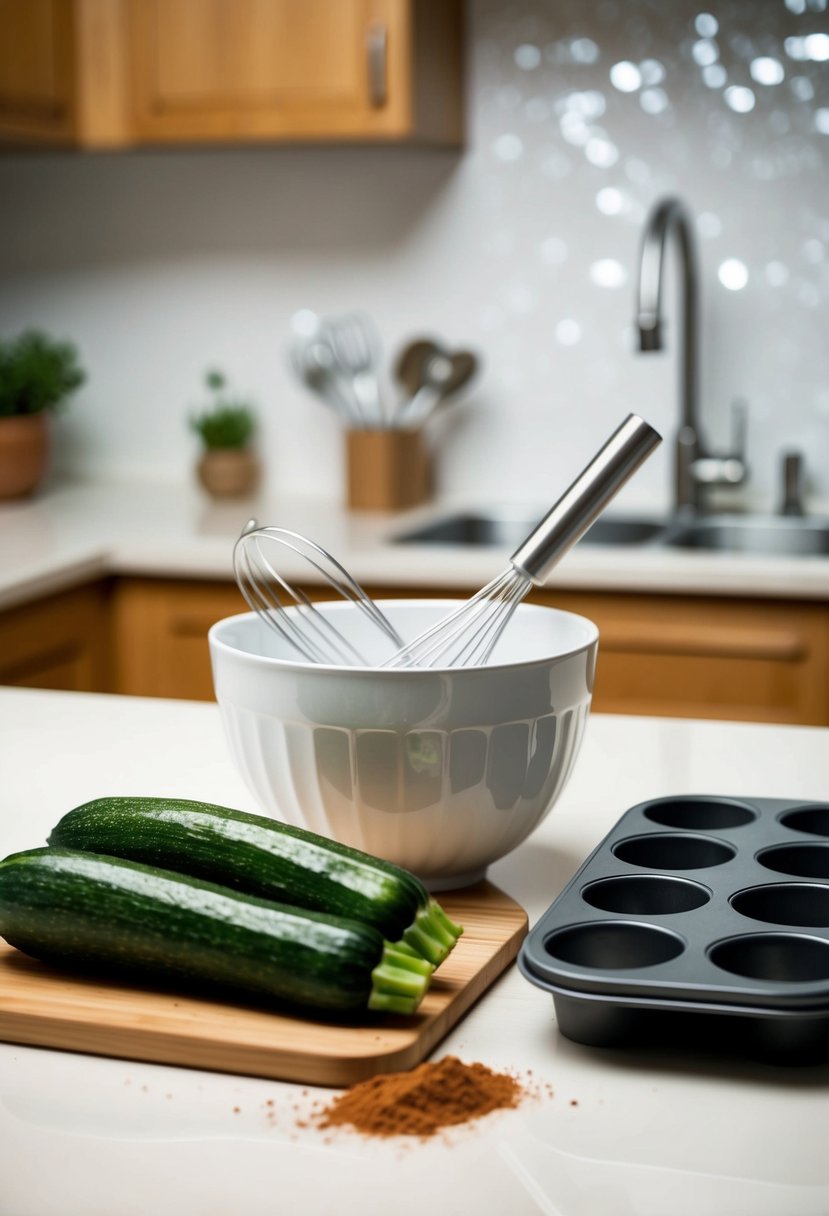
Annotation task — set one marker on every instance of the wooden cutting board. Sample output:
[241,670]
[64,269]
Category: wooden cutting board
[44,1007]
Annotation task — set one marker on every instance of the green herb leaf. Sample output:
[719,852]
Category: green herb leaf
[37,373]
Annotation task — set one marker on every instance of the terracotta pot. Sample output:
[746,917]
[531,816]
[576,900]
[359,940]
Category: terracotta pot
[24,450]
[229,473]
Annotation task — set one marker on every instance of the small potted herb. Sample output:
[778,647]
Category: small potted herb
[37,375]
[228,467]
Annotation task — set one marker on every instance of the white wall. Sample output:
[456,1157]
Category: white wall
[160,264]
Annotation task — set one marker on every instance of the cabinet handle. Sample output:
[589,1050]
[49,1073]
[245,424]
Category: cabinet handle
[376,40]
[706,641]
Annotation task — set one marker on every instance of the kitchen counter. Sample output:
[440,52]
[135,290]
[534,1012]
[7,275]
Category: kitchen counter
[613,1131]
[72,533]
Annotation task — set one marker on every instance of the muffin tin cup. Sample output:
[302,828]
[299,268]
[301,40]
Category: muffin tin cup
[697,921]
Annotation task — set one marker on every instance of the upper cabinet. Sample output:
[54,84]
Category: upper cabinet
[127,73]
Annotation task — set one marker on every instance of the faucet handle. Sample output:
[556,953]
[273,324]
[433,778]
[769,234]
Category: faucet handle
[739,428]
[733,465]
[730,468]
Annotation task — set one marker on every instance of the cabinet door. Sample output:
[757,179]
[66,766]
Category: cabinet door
[259,69]
[63,66]
[36,70]
[160,629]
[686,657]
[61,642]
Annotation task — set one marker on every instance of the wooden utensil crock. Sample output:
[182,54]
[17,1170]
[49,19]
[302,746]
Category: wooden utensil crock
[387,470]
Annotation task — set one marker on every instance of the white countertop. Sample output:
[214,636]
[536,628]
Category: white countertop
[623,1132]
[72,533]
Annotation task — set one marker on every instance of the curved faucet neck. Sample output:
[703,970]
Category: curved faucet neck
[670,216]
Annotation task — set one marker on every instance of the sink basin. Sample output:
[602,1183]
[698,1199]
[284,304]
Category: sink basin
[794,537]
[471,528]
[508,531]
[752,534]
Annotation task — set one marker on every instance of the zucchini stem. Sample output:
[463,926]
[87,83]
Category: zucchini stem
[446,922]
[433,934]
[399,981]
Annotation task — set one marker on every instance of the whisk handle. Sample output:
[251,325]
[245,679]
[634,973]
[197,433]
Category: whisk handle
[580,505]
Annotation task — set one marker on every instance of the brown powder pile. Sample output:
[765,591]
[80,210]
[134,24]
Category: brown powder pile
[421,1102]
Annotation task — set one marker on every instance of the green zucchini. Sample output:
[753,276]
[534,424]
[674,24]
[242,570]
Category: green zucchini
[138,922]
[262,857]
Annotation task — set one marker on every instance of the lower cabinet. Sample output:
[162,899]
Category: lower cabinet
[61,641]
[160,631]
[666,655]
[689,657]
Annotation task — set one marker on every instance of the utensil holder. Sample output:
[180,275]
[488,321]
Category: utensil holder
[387,470]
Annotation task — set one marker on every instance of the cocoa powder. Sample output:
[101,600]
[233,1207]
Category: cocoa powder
[424,1100]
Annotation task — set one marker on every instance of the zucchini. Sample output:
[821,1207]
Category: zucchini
[263,857]
[138,922]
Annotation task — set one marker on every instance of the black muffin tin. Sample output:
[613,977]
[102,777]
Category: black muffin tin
[699,921]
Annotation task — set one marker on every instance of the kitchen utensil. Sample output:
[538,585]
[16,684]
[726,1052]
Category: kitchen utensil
[443,377]
[49,1008]
[431,375]
[410,360]
[355,344]
[698,921]
[256,558]
[467,636]
[442,772]
[313,363]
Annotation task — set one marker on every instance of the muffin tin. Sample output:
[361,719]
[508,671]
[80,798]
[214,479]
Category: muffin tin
[698,921]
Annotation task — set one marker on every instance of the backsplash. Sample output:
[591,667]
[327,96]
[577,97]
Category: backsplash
[523,246]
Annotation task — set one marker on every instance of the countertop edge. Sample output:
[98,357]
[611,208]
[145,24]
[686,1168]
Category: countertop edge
[76,533]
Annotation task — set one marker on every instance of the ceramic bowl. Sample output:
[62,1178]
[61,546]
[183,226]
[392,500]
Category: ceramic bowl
[441,771]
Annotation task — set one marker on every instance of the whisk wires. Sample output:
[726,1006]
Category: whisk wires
[270,595]
[467,636]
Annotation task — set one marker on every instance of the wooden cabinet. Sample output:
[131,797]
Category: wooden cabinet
[121,73]
[680,656]
[296,69]
[62,641]
[689,657]
[63,78]
[160,629]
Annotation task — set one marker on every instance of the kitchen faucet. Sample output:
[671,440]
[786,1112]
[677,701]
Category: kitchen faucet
[695,469]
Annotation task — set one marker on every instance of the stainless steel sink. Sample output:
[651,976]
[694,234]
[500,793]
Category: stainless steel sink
[508,531]
[471,528]
[796,537]
[753,534]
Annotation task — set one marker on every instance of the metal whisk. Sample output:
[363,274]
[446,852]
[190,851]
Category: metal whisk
[467,636]
[312,634]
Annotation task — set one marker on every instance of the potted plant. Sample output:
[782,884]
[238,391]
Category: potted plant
[228,467]
[37,374]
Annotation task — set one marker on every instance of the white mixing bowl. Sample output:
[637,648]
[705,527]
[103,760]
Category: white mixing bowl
[441,771]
